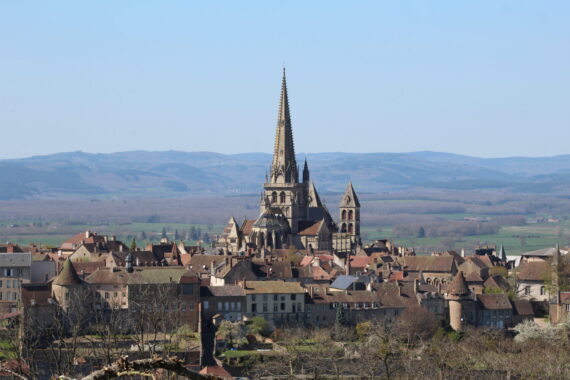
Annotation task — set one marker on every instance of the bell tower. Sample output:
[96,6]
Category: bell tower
[350,213]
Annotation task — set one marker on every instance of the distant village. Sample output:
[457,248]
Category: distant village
[293,267]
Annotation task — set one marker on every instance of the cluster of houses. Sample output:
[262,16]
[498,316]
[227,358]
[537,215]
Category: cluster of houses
[284,286]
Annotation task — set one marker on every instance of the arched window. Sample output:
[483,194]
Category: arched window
[436,281]
[428,281]
[343,215]
[542,290]
[282,197]
[274,197]
[350,215]
[343,228]
[350,228]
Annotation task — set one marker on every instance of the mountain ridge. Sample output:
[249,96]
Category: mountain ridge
[142,173]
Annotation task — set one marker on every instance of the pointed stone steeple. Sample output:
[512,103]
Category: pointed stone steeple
[306,176]
[284,166]
[502,255]
[349,199]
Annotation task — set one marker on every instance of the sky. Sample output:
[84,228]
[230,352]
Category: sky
[481,78]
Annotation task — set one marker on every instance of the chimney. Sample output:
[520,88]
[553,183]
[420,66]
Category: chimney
[120,248]
[106,238]
[87,233]
[113,238]
[244,284]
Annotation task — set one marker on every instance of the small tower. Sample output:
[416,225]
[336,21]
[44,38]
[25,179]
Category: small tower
[457,295]
[65,286]
[129,263]
[350,213]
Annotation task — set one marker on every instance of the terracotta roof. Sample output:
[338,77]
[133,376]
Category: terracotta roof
[222,291]
[473,277]
[523,307]
[319,273]
[247,226]
[359,261]
[458,286]
[202,263]
[429,263]
[87,267]
[311,229]
[67,276]
[495,301]
[497,282]
[273,287]
[215,370]
[534,271]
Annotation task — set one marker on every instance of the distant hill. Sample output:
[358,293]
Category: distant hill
[174,173]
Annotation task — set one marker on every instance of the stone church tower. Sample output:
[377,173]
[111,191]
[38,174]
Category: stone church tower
[284,194]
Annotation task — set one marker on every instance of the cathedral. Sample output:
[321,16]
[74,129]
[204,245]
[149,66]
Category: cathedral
[292,215]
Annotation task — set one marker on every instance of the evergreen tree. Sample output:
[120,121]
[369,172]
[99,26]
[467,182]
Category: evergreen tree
[143,235]
[193,233]
[176,237]
[339,321]
[163,232]
[134,244]
[421,232]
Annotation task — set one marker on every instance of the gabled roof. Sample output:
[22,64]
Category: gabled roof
[498,301]
[359,261]
[428,263]
[534,271]
[523,307]
[473,277]
[247,226]
[497,282]
[311,229]
[343,282]
[67,276]
[349,199]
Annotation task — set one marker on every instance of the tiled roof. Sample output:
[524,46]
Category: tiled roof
[473,277]
[273,287]
[67,276]
[534,271]
[311,229]
[9,260]
[523,307]
[428,263]
[222,291]
[247,226]
[144,275]
[458,286]
[359,261]
[497,282]
[495,301]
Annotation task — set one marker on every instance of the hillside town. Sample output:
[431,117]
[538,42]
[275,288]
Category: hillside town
[79,307]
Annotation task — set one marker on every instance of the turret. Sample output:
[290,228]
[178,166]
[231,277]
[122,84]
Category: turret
[306,176]
[457,294]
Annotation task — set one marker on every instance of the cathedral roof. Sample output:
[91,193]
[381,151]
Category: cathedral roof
[311,228]
[271,220]
[349,199]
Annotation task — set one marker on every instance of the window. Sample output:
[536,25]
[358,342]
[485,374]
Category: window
[8,283]
[0,283]
[253,298]
[567,306]
[8,272]
[227,306]
[253,308]
[282,197]
[106,295]
[238,306]
[265,297]
[527,290]
[187,289]
[183,306]
[275,298]
[350,228]
[220,307]
[283,306]
[276,307]
[115,294]
[542,291]
[343,215]
[206,305]
[233,306]
[265,308]
[274,197]
[191,305]
[293,297]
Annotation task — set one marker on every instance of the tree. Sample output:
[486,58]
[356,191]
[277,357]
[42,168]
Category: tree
[415,324]
[260,326]
[421,232]
[233,332]
[134,244]
[176,237]
[163,235]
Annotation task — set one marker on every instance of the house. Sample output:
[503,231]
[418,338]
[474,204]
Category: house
[277,301]
[532,279]
[435,269]
[15,269]
[227,301]
[494,310]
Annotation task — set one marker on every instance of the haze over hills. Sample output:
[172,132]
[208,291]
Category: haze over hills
[176,173]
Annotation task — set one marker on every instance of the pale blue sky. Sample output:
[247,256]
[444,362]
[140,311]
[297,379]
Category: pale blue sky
[485,78]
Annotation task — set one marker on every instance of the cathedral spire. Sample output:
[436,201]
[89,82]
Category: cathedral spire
[284,166]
